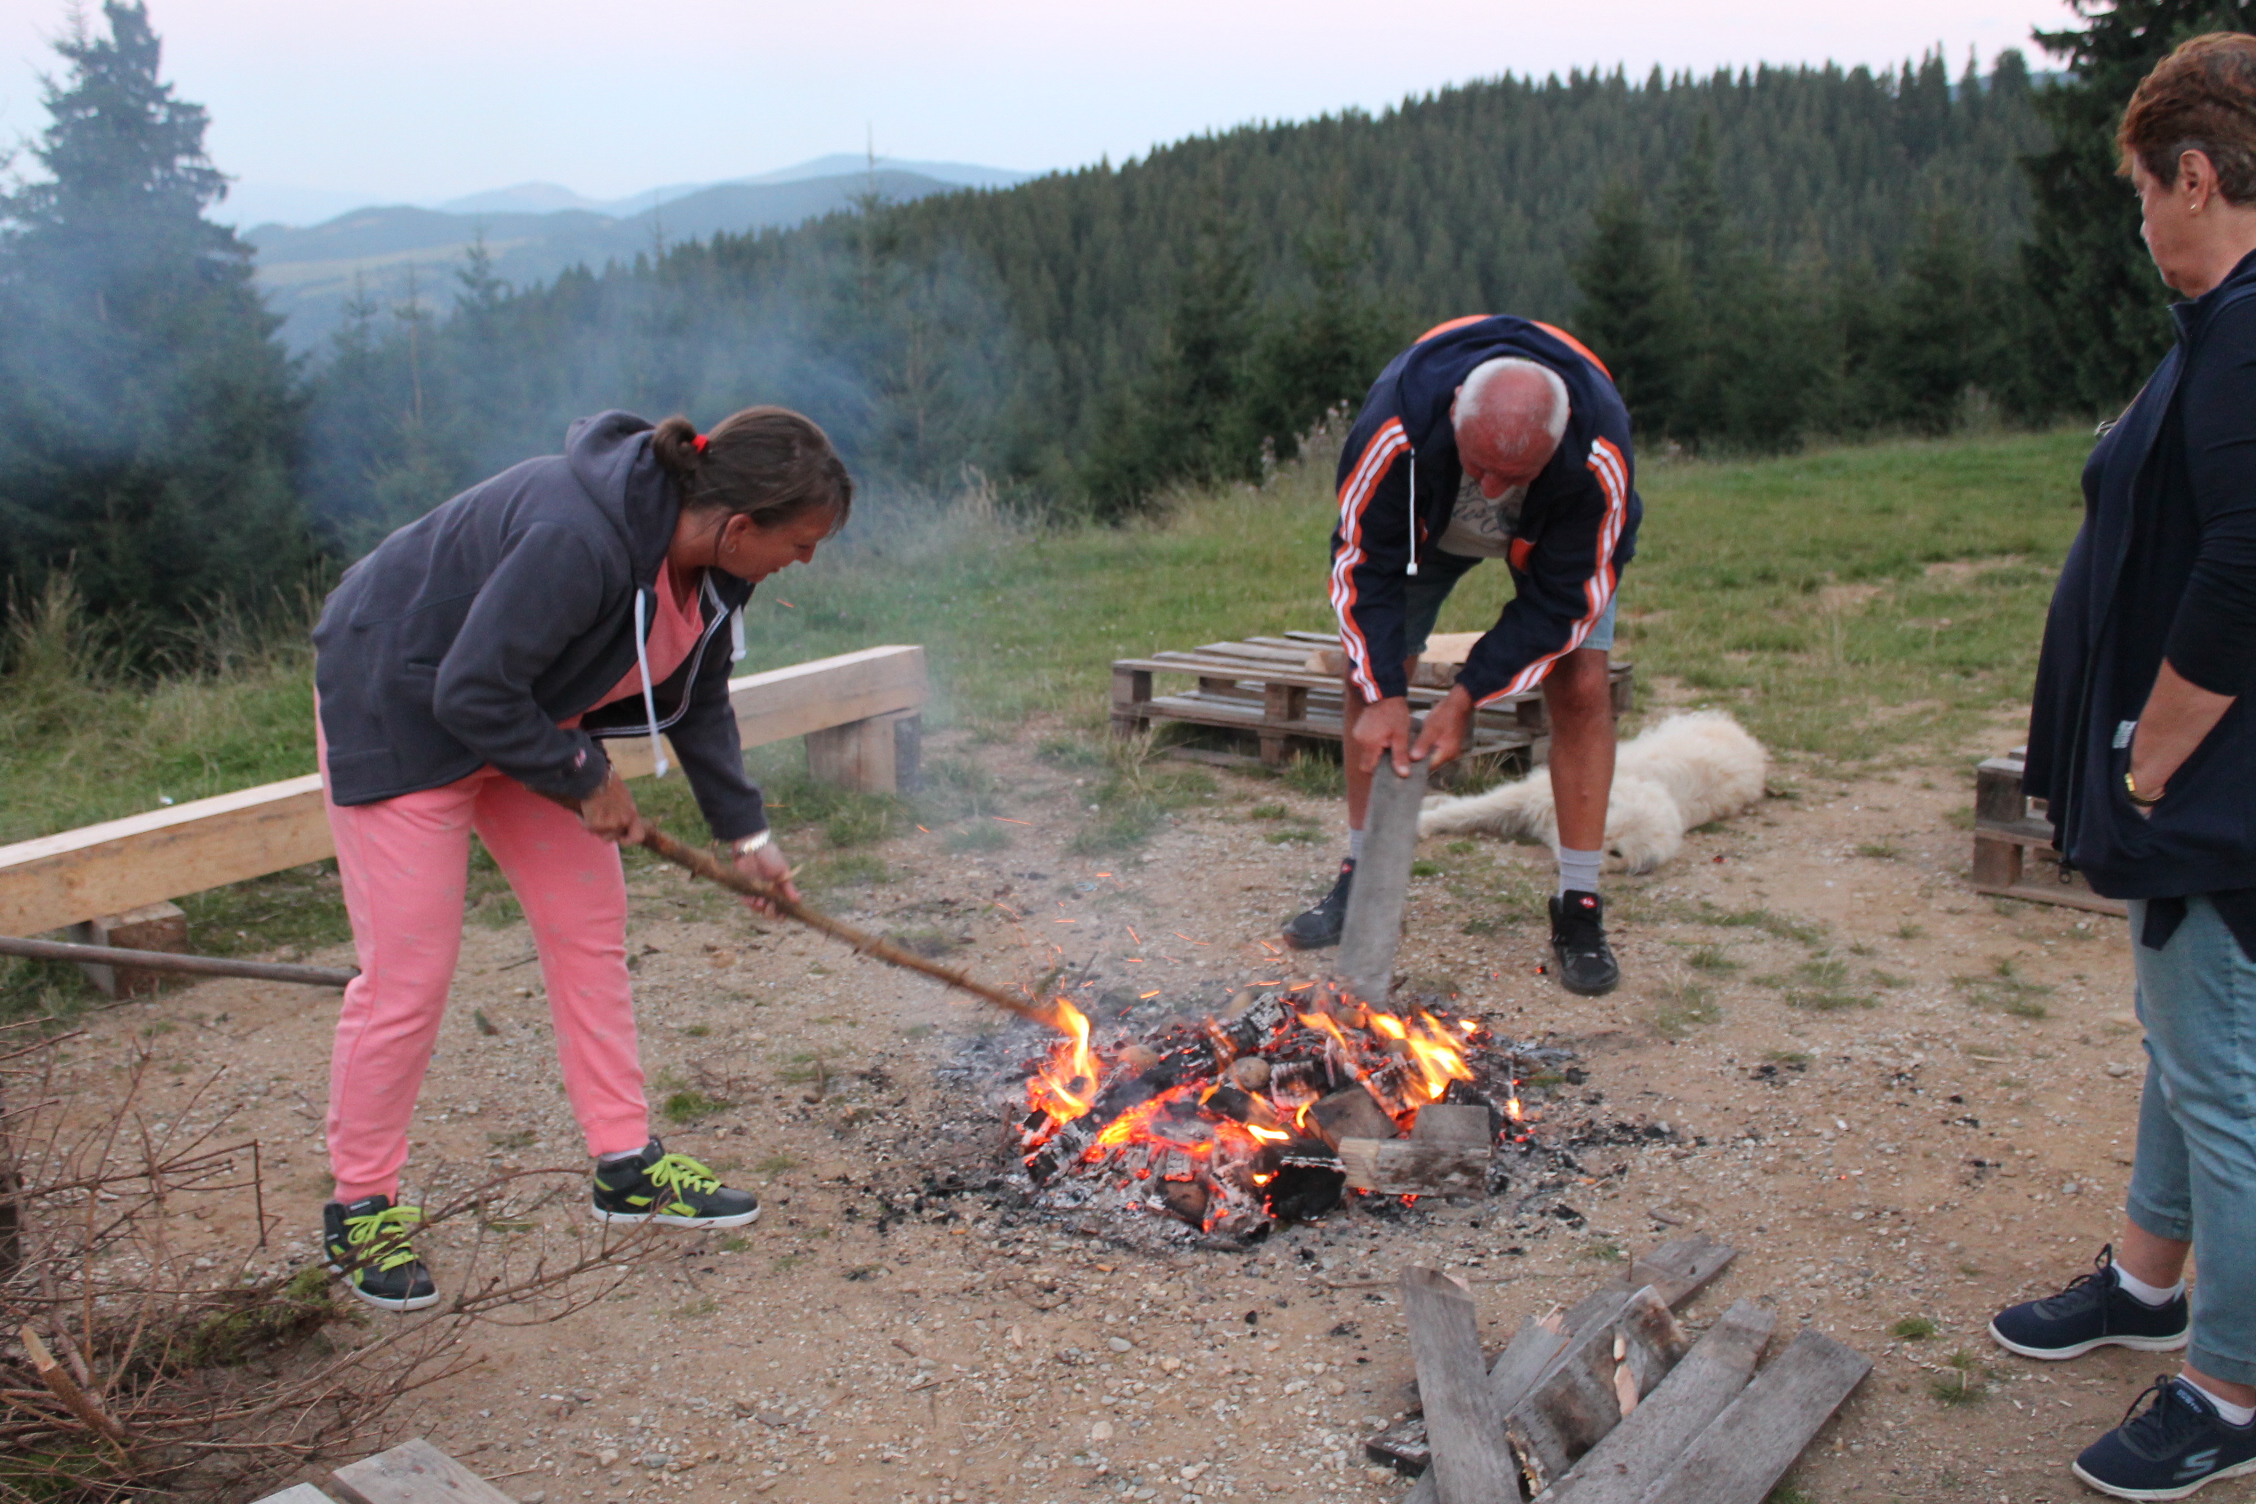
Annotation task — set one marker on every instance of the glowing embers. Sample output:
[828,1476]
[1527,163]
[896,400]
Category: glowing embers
[1232,1123]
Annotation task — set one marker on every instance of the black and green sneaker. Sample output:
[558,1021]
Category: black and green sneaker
[673,1189]
[367,1244]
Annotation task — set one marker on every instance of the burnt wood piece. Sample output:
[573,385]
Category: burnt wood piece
[1464,1426]
[1406,1167]
[1372,929]
[1677,1270]
[1351,1112]
[1743,1452]
[1401,1446]
[1620,1468]
[414,1472]
[1574,1405]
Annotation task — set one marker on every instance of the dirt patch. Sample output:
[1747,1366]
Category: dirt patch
[1902,1101]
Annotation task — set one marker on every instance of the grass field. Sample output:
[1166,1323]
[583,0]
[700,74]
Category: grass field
[1855,605]
[1851,603]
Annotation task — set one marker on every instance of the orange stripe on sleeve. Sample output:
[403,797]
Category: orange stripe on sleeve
[1378,456]
[1612,473]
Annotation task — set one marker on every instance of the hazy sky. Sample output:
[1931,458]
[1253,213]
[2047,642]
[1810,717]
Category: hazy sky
[428,99]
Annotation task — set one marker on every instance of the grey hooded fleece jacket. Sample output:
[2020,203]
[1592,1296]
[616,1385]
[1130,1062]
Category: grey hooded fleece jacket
[469,634]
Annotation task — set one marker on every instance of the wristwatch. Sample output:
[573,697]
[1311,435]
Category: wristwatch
[744,846]
[2143,801]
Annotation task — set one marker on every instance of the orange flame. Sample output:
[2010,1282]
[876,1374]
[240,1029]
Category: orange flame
[1066,1086]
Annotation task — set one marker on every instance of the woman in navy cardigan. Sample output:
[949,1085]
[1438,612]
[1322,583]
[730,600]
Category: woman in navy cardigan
[2140,742]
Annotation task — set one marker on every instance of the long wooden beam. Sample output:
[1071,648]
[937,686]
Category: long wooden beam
[75,875]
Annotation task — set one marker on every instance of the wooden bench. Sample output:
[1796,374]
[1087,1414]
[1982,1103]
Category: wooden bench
[1285,691]
[859,713]
[2013,855]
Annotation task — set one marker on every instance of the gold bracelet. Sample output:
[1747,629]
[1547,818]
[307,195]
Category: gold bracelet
[2143,801]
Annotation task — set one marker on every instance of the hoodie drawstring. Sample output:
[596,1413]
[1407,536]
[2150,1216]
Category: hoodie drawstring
[649,700]
[1413,512]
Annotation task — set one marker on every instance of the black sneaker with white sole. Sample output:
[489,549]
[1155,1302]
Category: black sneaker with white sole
[1320,926]
[2093,1311]
[2176,1445]
[366,1242]
[1578,944]
[671,1189]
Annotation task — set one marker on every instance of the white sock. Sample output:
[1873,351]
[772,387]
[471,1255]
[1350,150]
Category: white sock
[1355,845]
[2227,1411]
[2144,1293]
[1578,870]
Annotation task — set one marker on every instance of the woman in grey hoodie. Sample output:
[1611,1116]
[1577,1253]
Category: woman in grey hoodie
[469,671]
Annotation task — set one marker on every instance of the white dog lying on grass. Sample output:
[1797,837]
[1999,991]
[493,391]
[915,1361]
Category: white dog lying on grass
[1688,770]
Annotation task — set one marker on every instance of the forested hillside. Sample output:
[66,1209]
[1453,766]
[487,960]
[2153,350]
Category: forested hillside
[1094,333]
[1761,256]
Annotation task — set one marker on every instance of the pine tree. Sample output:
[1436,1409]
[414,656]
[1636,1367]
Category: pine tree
[147,418]
[1634,309]
[2101,323]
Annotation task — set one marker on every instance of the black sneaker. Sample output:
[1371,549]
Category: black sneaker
[2180,1443]
[367,1244]
[2094,1311]
[673,1189]
[1578,944]
[1320,926]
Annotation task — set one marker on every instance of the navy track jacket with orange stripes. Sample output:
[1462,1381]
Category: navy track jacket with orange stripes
[1398,481]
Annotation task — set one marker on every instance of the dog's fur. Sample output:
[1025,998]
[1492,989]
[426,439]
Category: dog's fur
[1688,770]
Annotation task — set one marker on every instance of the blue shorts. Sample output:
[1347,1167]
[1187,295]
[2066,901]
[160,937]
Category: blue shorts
[1438,574]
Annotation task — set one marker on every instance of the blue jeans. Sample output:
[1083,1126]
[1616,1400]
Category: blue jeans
[2195,1176]
[1438,574]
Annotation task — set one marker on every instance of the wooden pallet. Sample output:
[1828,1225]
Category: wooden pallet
[1280,691]
[2013,855]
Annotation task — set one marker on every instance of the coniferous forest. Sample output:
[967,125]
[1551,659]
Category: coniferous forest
[1763,257]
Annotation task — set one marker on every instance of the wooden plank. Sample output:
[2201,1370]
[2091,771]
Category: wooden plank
[414,1472]
[1464,1428]
[1373,926]
[1680,1268]
[1532,1349]
[1743,1452]
[1576,1403]
[1621,1467]
[816,696]
[1452,1123]
[78,875]
[298,1493]
[118,865]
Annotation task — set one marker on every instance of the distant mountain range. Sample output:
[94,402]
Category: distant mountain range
[535,230]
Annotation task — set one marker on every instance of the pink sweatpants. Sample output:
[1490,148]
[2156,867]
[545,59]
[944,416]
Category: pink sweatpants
[404,864]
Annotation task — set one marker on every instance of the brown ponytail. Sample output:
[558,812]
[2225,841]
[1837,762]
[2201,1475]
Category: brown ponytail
[766,463]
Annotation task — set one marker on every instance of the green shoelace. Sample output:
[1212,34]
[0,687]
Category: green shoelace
[387,1226]
[680,1174]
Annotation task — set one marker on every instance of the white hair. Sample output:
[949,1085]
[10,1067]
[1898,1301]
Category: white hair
[1482,400]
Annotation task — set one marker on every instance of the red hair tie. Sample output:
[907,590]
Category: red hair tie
[699,443]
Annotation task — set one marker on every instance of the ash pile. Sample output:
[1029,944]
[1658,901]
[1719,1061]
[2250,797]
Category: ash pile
[1212,1131]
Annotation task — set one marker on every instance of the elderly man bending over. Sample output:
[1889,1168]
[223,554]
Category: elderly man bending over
[1490,438]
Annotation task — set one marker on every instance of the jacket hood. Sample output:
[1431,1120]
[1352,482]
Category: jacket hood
[611,458]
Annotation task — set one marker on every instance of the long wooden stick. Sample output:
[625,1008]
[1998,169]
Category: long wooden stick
[165,960]
[704,864]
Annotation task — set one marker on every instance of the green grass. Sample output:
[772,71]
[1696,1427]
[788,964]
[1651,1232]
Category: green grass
[2005,990]
[1855,604]
[1913,1329]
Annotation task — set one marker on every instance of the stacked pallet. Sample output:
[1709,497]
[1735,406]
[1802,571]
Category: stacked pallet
[2013,855]
[1285,693]
[1612,1402]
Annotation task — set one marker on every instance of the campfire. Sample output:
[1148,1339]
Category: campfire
[1272,1113]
